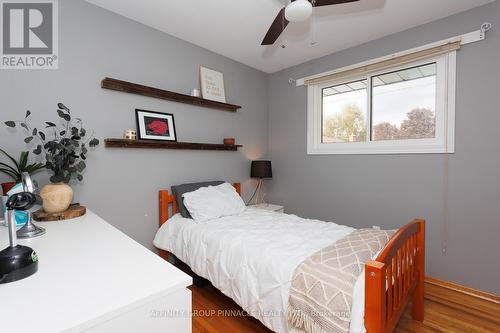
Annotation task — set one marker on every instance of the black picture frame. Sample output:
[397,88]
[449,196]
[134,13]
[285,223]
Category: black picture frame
[144,118]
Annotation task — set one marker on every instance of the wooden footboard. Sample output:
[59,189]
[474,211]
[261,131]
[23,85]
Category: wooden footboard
[396,274]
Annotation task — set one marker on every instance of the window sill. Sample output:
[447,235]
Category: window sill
[378,148]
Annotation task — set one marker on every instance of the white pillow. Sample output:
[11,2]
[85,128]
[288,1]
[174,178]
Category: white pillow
[208,203]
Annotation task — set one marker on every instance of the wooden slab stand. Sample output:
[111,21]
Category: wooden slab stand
[74,211]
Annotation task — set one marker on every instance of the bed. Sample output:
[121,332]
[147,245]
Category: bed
[251,257]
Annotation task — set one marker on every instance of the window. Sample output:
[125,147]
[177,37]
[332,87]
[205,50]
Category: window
[404,104]
[344,112]
[399,109]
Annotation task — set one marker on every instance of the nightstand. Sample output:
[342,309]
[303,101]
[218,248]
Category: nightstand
[271,207]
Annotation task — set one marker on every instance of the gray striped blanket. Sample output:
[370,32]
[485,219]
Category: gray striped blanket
[322,288]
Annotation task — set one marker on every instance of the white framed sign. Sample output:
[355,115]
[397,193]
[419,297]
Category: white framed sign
[212,85]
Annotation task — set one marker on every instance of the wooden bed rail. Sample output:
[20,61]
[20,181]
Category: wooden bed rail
[397,273]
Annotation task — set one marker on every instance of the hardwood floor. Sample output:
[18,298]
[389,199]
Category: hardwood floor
[446,310]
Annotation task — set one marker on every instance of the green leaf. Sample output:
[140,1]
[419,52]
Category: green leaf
[35,131]
[28,113]
[81,166]
[61,114]
[10,158]
[11,124]
[42,135]
[8,166]
[50,145]
[62,133]
[94,142]
[38,150]
[32,168]
[49,124]
[62,106]
[67,117]
[23,125]
[80,178]
[9,173]
[23,161]
[28,139]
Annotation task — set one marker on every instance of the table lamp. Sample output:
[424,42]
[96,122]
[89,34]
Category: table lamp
[260,170]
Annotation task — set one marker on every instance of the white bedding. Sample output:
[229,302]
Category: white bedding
[251,258]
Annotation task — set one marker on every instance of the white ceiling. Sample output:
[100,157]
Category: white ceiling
[235,28]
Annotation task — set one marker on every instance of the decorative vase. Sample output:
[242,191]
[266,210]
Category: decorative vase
[6,187]
[229,141]
[56,197]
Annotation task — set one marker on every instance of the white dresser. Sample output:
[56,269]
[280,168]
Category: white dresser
[93,278]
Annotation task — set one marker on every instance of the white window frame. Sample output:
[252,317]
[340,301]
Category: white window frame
[444,142]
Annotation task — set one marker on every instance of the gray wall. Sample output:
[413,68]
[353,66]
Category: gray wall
[121,185]
[458,194]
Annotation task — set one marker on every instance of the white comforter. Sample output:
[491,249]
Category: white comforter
[251,257]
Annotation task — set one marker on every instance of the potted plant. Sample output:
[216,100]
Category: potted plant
[65,148]
[16,168]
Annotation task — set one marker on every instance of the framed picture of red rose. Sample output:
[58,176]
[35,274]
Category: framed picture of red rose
[155,125]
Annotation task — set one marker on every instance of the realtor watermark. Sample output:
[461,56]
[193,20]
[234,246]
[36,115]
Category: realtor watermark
[176,313]
[29,34]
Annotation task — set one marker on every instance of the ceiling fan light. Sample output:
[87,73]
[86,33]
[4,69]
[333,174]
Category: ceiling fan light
[299,10]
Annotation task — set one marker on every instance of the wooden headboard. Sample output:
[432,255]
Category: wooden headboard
[166,200]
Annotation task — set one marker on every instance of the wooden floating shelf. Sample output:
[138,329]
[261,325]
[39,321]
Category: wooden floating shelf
[133,88]
[151,144]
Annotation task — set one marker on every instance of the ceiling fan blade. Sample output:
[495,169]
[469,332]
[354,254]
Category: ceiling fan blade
[319,3]
[278,26]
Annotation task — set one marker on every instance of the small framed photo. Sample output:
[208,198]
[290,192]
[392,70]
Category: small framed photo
[212,85]
[155,125]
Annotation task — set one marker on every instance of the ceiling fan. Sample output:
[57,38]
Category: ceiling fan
[296,11]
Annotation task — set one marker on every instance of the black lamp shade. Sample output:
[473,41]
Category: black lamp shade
[261,169]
